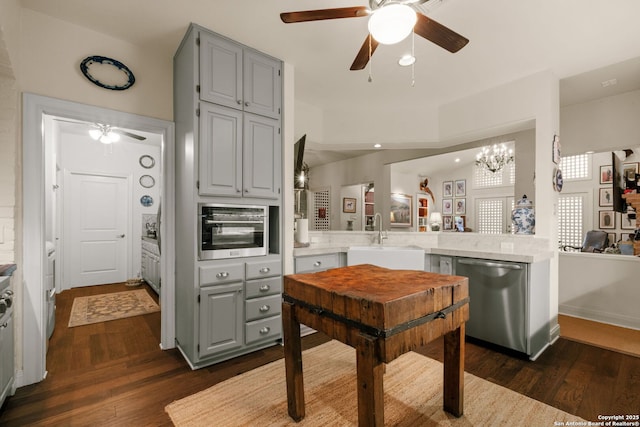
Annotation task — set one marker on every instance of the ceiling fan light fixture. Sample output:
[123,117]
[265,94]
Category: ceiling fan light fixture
[95,134]
[407,60]
[393,23]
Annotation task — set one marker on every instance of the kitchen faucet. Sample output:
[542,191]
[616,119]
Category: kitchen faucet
[377,219]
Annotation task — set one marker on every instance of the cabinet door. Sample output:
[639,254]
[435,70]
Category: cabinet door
[220,151]
[261,176]
[221,318]
[6,354]
[220,71]
[262,84]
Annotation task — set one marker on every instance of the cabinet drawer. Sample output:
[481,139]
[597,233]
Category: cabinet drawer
[263,287]
[316,263]
[262,307]
[256,270]
[263,329]
[221,273]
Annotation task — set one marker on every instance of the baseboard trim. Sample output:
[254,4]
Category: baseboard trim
[599,316]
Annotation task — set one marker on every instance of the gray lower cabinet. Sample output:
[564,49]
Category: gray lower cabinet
[239,309]
[150,264]
[221,320]
[7,371]
[315,264]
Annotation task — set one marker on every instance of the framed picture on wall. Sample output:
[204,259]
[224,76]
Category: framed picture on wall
[461,206]
[461,188]
[447,189]
[612,238]
[447,207]
[401,210]
[606,197]
[627,223]
[447,222]
[348,205]
[607,219]
[630,171]
[606,174]
[556,150]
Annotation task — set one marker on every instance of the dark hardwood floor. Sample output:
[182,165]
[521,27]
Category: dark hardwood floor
[114,374]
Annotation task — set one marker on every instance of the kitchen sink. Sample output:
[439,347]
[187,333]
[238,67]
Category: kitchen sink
[394,257]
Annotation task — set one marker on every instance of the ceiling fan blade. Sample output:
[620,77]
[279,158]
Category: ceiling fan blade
[319,15]
[439,34]
[129,134]
[362,58]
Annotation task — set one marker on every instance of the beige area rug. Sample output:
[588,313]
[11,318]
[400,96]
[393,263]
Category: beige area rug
[105,307]
[412,396]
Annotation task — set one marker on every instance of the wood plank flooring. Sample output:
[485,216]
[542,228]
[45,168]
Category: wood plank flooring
[114,374]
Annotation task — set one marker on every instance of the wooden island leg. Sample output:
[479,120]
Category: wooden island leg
[370,372]
[293,362]
[454,371]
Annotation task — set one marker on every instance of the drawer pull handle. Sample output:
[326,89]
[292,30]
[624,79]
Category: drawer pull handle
[265,270]
[265,330]
[264,308]
[222,275]
[317,263]
[265,288]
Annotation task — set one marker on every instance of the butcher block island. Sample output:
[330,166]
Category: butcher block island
[383,314]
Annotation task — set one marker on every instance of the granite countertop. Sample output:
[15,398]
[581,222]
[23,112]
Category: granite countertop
[7,269]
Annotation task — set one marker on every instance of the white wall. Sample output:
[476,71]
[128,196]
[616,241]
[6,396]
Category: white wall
[55,48]
[600,287]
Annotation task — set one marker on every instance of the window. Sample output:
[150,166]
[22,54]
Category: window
[576,167]
[493,215]
[570,213]
[485,179]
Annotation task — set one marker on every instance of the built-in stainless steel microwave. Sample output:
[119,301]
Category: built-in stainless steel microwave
[232,231]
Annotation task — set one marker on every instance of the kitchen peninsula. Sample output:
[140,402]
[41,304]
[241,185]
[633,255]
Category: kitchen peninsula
[511,268]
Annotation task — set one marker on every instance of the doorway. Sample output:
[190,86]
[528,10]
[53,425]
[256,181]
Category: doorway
[35,146]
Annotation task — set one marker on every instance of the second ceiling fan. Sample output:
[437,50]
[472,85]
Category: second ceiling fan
[389,13]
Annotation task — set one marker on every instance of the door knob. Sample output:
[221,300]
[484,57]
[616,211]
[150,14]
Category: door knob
[120,236]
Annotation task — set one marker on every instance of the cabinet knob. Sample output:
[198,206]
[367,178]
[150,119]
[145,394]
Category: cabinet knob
[265,270]
[246,104]
[239,101]
[265,288]
[265,330]
[237,190]
[317,263]
[264,308]
[222,275]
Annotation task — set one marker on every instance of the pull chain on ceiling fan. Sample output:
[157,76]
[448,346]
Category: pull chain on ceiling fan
[388,14]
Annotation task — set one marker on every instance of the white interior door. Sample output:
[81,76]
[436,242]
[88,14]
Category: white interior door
[96,212]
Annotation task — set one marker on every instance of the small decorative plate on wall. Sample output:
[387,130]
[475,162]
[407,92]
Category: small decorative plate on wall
[147,161]
[107,73]
[147,181]
[146,200]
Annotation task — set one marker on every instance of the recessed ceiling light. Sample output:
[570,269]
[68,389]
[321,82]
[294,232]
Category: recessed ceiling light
[457,160]
[407,60]
[609,82]
[377,146]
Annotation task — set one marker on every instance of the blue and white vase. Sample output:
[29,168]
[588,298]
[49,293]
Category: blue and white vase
[523,217]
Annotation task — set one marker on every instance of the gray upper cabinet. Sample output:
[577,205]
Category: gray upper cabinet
[262,84]
[261,164]
[220,71]
[239,77]
[220,151]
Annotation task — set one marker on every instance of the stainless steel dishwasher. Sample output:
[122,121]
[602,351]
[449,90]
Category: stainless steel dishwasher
[498,301]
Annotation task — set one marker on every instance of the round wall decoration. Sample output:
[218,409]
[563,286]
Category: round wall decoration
[146,200]
[147,181]
[107,73]
[558,182]
[147,161]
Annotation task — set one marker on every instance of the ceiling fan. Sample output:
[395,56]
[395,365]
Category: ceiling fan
[398,16]
[105,133]
[102,132]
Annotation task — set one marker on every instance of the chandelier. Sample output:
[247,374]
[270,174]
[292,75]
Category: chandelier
[494,159]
